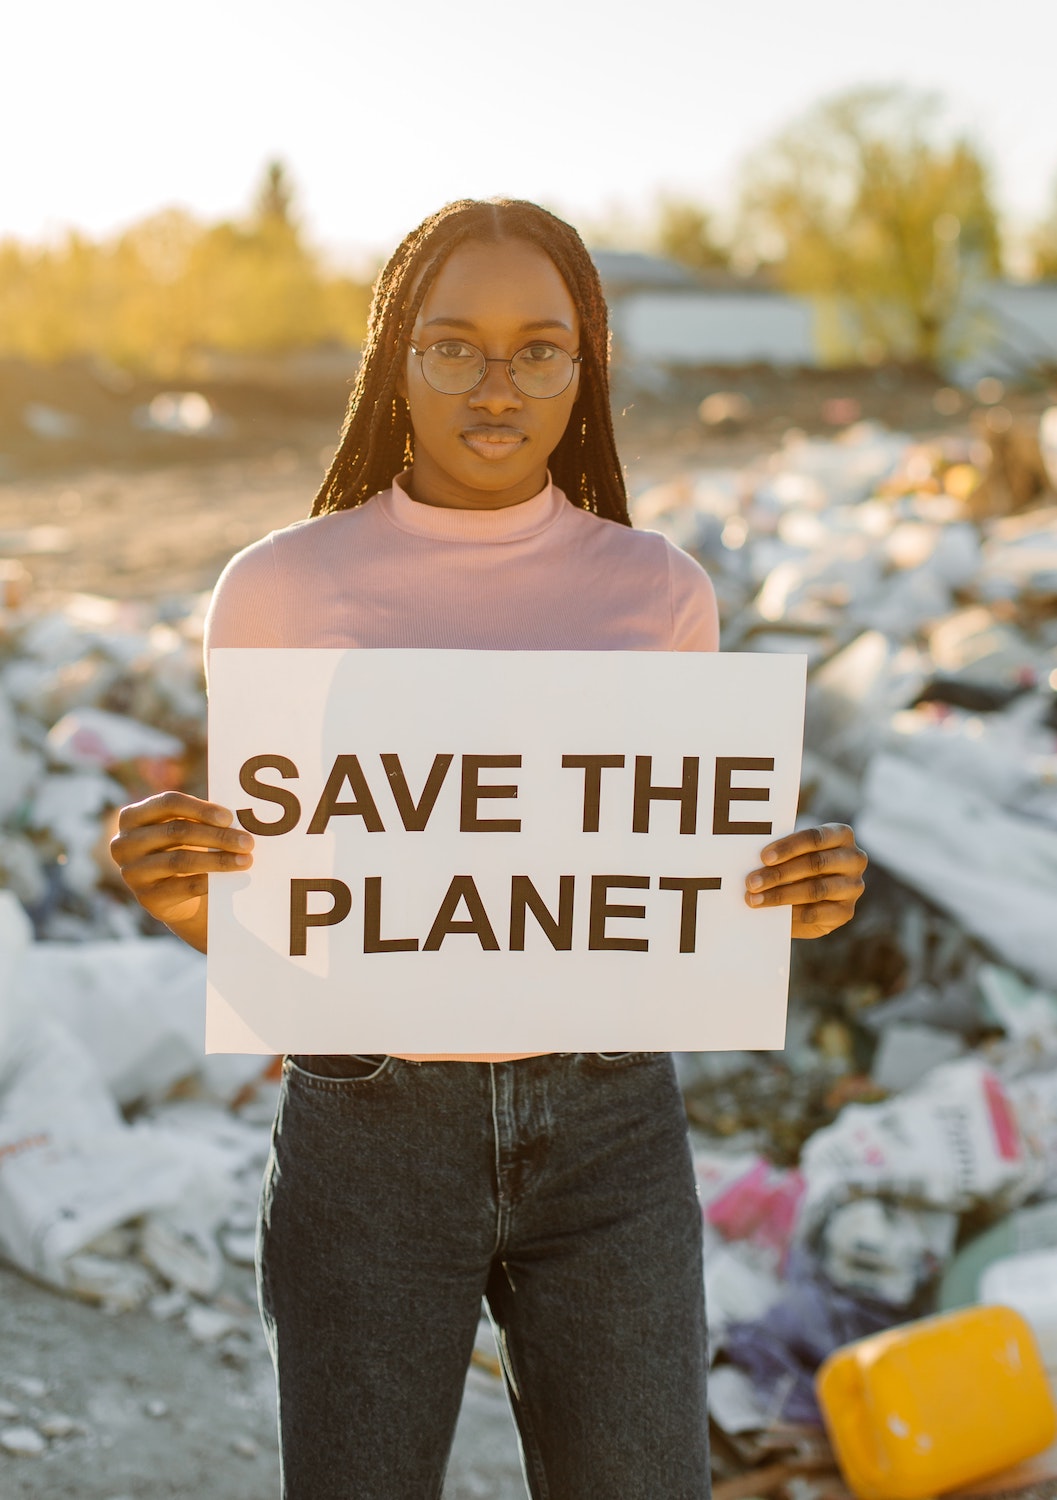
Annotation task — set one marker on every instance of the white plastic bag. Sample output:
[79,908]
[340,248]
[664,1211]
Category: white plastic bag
[952,1143]
[138,1006]
[992,870]
[70,1168]
[93,737]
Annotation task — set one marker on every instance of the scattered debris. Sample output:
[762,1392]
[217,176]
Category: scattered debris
[916,1099]
[208,1325]
[58,1425]
[30,1385]
[188,413]
[24,1442]
[49,423]
[725,410]
[900,1152]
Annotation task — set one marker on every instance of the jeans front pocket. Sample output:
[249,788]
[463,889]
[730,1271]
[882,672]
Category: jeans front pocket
[611,1060]
[339,1070]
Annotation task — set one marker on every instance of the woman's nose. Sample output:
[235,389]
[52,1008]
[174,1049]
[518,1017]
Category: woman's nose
[496,392]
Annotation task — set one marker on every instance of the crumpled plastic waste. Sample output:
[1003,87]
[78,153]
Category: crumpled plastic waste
[1022,1010]
[1025,1231]
[883,1250]
[1048,442]
[782,1352]
[953,1142]
[72,1168]
[138,1006]
[186,412]
[1027,1282]
[994,870]
[922,587]
[86,1028]
[907,1051]
[94,737]
[916,1096]
[760,1208]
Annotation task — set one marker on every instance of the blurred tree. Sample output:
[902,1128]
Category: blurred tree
[169,285]
[259,285]
[259,290]
[869,204]
[685,233]
[1044,246]
[274,200]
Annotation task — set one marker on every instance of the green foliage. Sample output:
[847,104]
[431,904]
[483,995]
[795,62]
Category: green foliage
[274,203]
[1044,247]
[684,232]
[149,298]
[868,204]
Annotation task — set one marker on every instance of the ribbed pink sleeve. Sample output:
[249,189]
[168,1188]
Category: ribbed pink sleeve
[695,616]
[242,611]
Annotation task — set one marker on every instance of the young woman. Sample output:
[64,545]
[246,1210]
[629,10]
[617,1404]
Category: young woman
[400,1191]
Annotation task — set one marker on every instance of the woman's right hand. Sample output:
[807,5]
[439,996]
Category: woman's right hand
[167,846]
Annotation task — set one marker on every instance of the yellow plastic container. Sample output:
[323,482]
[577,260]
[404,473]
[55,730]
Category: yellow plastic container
[935,1404]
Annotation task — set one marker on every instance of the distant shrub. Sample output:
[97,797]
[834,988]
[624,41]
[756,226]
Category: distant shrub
[148,298]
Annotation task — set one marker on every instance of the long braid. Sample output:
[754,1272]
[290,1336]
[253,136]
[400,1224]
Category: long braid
[376,438]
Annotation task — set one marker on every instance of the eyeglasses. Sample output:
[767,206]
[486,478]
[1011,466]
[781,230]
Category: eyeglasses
[453,368]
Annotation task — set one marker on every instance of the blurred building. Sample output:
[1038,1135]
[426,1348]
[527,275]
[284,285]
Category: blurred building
[1012,331]
[664,315]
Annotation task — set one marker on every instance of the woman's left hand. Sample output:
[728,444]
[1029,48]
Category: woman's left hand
[817,871]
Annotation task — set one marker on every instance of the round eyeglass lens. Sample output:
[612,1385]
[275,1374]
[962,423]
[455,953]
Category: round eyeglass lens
[542,370]
[452,366]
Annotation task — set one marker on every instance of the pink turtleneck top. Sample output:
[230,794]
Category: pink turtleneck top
[543,575]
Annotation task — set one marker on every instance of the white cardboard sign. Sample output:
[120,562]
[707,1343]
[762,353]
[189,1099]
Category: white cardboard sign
[500,851]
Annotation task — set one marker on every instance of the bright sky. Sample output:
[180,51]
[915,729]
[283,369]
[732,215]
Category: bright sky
[384,109]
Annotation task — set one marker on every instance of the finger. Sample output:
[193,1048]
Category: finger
[168,805]
[184,910]
[173,863]
[818,920]
[175,900]
[840,860]
[810,892]
[823,836]
[176,832]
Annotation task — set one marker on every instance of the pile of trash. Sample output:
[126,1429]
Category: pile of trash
[849,1181]
[882,1165]
[109,1113]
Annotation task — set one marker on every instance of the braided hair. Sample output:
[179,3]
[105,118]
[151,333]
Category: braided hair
[377,440]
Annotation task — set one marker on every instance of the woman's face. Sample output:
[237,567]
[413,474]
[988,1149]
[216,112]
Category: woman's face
[489,448]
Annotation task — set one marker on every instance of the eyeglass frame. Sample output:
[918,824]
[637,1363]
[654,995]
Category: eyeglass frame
[577,359]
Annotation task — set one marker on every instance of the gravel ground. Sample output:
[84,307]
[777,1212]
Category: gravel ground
[155,1414]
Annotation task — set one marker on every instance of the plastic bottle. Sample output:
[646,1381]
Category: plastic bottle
[931,1405]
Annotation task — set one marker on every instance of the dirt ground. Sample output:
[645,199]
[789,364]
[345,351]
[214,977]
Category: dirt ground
[113,510]
[159,1417]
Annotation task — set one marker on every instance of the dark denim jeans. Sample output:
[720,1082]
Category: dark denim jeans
[560,1189]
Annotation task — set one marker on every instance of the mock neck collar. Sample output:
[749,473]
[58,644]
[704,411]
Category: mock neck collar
[511,523]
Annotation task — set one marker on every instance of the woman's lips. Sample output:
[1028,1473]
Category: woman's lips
[493,442]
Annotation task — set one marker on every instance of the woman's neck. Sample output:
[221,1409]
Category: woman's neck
[429,485]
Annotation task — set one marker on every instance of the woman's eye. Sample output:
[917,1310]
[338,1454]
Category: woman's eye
[539,354]
[454,349]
